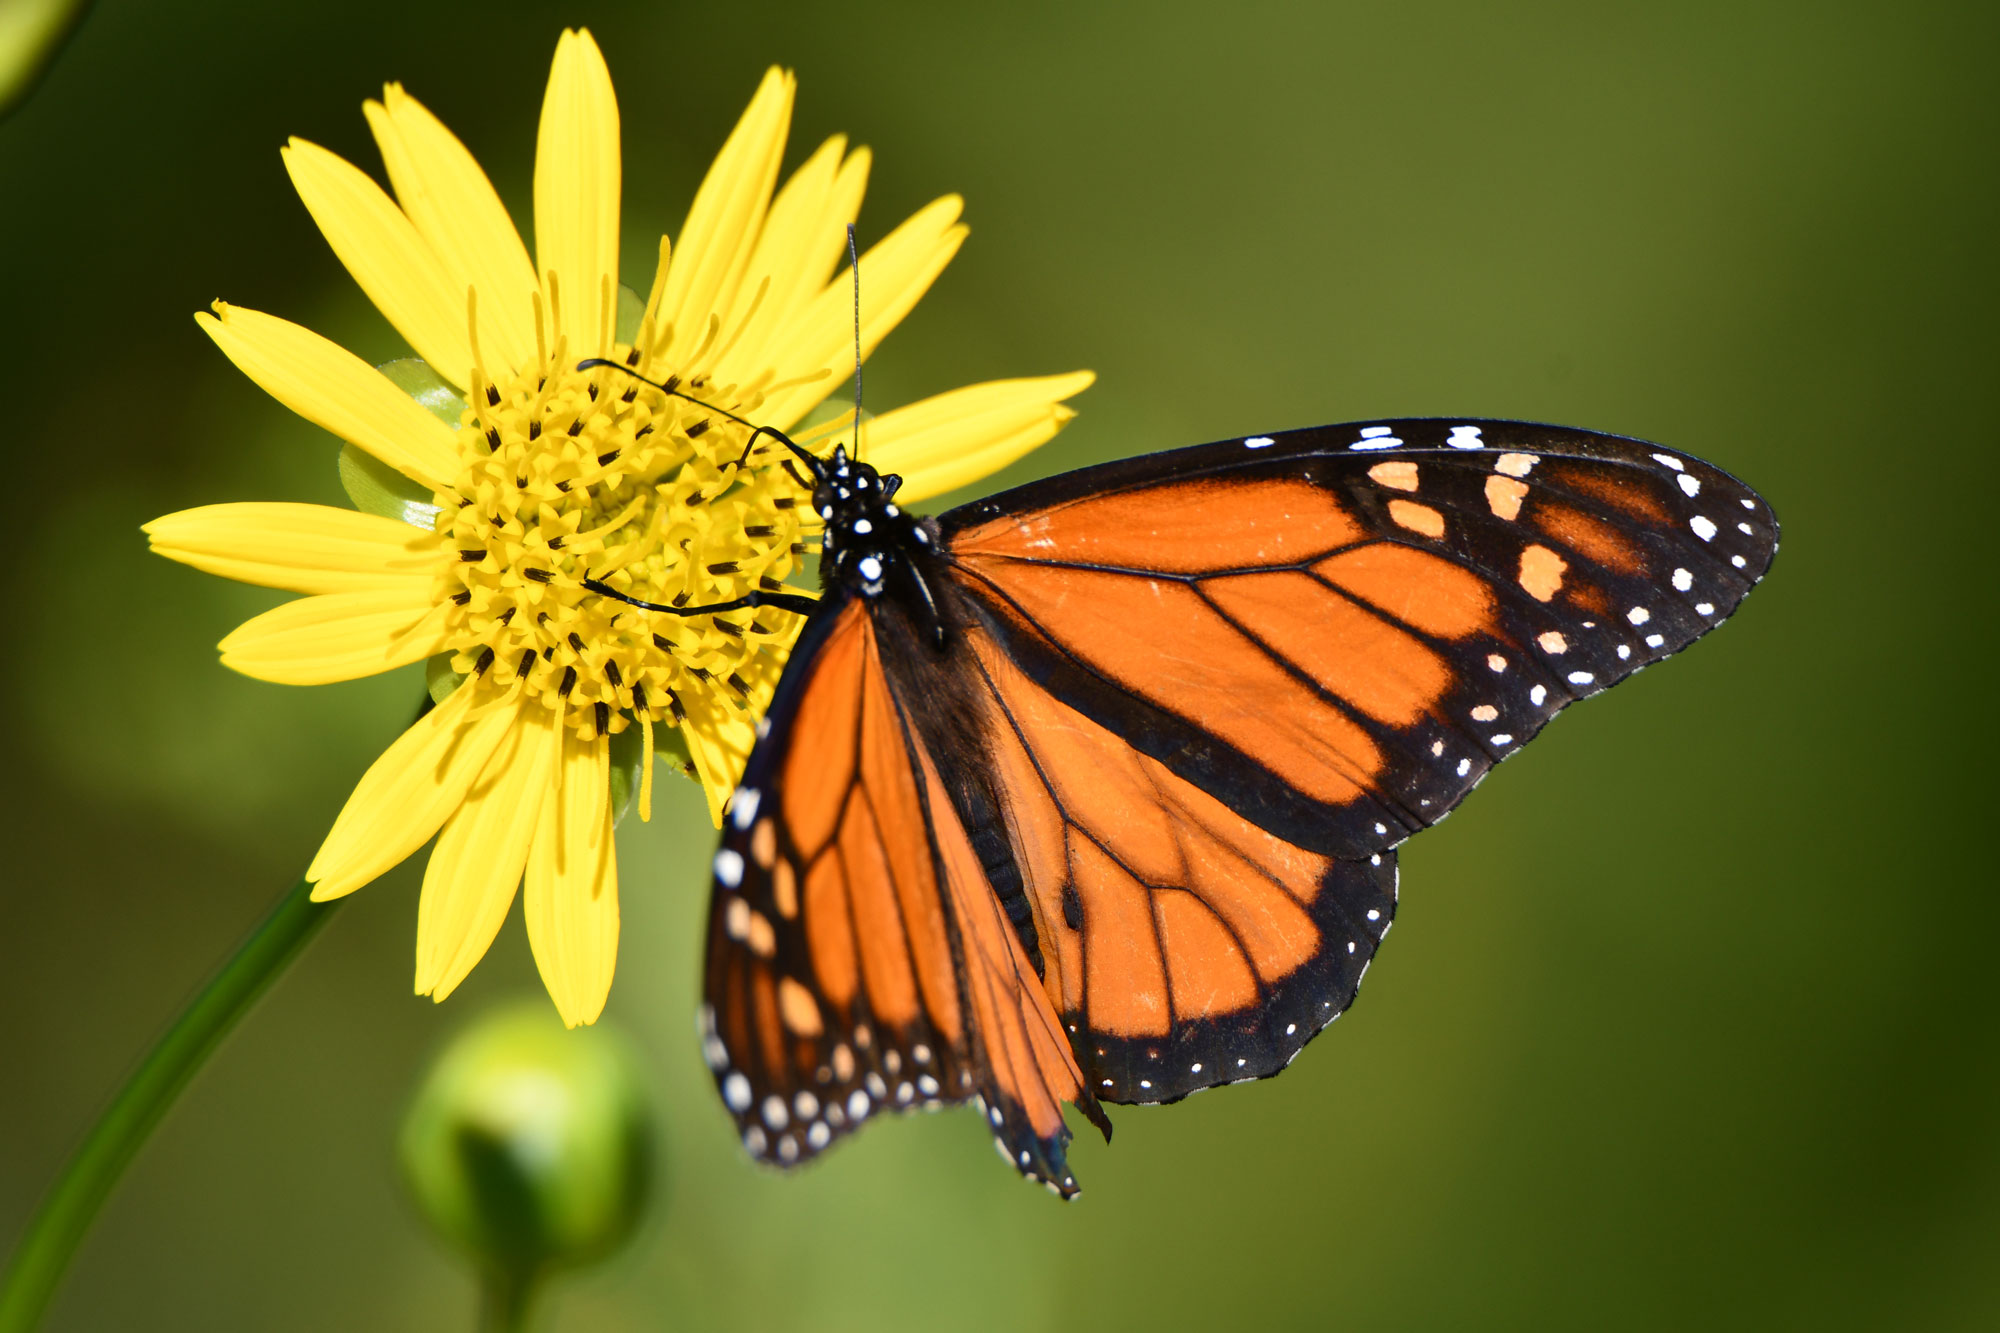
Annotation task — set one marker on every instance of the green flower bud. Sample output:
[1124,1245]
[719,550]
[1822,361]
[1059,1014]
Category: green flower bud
[529,1148]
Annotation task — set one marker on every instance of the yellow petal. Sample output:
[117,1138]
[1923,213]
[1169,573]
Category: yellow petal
[956,438]
[804,238]
[300,547]
[395,267]
[477,863]
[576,194]
[895,274]
[571,896]
[340,635]
[455,209]
[716,244]
[332,388]
[407,794]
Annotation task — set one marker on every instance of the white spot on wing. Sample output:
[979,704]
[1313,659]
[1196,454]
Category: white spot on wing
[743,807]
[1465,437]
[729,868]
[1690,485]
[1259,442]
[1375,437]
[736,1092]
[1668,460]
[1682,580]
[1703,528]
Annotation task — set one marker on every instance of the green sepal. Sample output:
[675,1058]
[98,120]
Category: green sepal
[631,309]
[372,485]
[628,749]
[376,488]
[439,678]
[431,390]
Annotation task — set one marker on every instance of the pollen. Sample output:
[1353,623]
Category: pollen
[566,475]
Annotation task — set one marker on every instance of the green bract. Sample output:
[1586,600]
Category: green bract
[528,1146]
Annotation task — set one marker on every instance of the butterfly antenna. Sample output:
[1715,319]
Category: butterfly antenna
[671,389]
[854,266]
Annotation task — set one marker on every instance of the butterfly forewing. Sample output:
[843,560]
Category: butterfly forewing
[1337,632]
[858,961]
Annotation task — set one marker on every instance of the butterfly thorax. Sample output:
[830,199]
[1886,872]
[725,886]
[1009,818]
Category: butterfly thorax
[869,540]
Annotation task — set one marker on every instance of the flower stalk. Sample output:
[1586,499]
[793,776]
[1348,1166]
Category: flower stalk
[66,1213]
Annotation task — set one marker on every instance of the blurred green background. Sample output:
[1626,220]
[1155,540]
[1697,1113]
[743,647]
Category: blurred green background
[1690,1012]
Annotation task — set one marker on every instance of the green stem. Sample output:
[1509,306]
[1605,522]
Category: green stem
[66,1213]
[504,1300]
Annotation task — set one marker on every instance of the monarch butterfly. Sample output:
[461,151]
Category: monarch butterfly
[1090,791]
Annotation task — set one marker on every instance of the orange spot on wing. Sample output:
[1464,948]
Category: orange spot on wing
[785,889]
[1417,518]
[1424,591]
[1594,539]
[1397,476]
[1542,572]
[798,1008]
[1182,527]
[1503,497]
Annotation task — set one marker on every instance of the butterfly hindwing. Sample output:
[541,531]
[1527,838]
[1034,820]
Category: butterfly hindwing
[1184,946]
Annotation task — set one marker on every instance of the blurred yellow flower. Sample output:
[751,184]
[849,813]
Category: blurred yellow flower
[551,475]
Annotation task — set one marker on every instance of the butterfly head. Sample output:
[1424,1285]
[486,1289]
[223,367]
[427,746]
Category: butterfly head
[867,536]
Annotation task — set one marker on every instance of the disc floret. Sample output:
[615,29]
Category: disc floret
[571,474]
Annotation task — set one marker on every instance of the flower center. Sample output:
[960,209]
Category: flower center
[567,475]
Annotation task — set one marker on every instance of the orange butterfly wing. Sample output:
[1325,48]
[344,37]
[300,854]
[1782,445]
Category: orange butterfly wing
[1144,795]
[1183,945]
[1338,632]
[1225,683]
[858,961]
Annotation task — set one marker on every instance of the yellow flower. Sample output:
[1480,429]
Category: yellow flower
[545,476]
